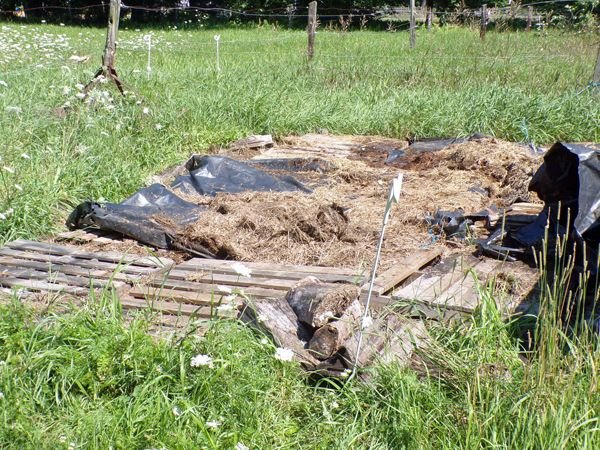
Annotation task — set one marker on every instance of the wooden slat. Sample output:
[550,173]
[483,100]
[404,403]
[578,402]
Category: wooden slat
[178,274]
[66,269]
[200,263]
[114,257]
[463,295]
[193,290]
[402,270]
[71,260]
[54,277]
[43,286]
[169,307]
[223,279]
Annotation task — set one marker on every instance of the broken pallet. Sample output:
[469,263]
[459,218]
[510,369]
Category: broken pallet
[30,266]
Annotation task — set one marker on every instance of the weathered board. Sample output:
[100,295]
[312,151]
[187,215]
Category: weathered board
[218,284]
[40,267]
[456,286]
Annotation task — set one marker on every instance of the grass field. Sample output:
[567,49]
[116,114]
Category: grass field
[85,380]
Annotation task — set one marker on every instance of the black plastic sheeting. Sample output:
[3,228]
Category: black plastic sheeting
[568,182]
[155,214]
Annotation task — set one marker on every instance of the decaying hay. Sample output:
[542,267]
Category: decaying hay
[338,224]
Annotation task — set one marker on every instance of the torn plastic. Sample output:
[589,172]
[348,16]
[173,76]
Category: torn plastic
[210,175]
[154,215]
[568,182]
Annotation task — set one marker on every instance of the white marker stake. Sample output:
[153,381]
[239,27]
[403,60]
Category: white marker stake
[148,38]
[217,38]
[393,197]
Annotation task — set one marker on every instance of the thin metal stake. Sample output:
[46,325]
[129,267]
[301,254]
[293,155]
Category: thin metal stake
[393,197]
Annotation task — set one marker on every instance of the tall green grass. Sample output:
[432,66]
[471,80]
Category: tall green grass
[510,86]
[85,379]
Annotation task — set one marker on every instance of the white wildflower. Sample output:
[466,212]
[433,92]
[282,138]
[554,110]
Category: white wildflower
[62,439]
[25,156]
[79,86]
[346,373]
[18,187]
[241,446]
[334,405]
[262,318]
[158,126]
[241,269]
[72,446]
[66,90]
[43,21]
[1,395]
[225,289]
[284,354]
[146,110]
[2,216]
[176,411]
[230,297]
[264,341]
[62,24]
[213,424]
[367,322]
[201,360]
[3,83]
[225,307]
[9,169]
[80,95]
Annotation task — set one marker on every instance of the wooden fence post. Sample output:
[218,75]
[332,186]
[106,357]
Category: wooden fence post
[311,29]
[108,58]
[413,37]
[429,18]
[483,21]
[529,17]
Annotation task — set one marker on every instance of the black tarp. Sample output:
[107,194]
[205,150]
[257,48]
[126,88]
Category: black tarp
[155,214]
[568,182]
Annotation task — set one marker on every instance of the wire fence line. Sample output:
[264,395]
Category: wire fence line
[283,12]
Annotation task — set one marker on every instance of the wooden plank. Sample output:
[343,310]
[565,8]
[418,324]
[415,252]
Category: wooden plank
[43,286]
[197,298]
[114,257]
[402,270]
[178,273]
[200,263]
[224,279]
[66,269]
[168,307]
[54,277]
[205,289]
[456,290]
[70,260]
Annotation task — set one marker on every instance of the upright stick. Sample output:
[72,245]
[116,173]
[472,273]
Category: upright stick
[108,60]
[311,29]
[413,37]
[529,17]
[483,22]
[393,197]
[429,18]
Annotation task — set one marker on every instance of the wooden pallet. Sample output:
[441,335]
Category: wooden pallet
[40,267]
[216,286]
[455,287]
